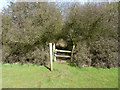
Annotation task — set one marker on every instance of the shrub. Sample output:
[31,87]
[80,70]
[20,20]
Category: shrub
[104,53]
[81,56]
[5,53]
[21,53]
[39,56]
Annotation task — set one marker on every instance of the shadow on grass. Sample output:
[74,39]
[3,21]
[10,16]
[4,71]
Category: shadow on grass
[47,67]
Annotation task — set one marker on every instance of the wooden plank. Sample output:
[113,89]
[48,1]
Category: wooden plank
[51,57]
[62,51]
[62,56]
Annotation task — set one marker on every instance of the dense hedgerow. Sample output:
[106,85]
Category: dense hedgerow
[37,55]
[81,56]
[104,53]
[100,53]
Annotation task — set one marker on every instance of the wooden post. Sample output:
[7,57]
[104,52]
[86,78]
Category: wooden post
[51,57]
[54,52]
[72,52]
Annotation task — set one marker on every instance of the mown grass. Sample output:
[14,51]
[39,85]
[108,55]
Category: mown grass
[63,76]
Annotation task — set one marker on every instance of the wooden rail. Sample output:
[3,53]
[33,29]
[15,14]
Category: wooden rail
[62,56]
[62,51]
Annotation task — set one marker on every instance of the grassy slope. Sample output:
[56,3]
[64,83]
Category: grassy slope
[64,76]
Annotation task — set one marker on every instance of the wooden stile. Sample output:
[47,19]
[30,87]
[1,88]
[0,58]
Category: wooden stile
[53,54]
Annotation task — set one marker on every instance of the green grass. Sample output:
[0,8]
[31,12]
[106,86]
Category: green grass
[63,76]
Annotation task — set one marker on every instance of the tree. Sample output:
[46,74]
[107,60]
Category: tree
[88,24]
[29,25]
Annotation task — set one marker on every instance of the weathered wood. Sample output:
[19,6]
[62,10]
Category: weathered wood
[72,52]
[51,57]
[62,56]
[54,52]
[62,51]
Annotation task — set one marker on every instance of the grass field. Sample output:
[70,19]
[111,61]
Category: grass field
[63,76]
